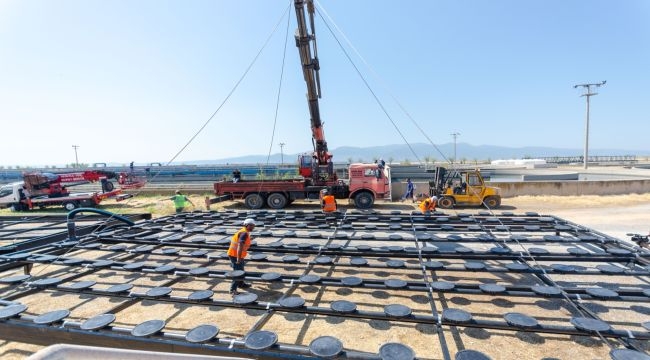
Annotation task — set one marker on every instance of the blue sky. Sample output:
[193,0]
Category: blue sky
[136,80]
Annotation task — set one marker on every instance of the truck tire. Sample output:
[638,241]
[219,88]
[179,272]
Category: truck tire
[70,205]
[276,201]
[108,186]
[446,202]
[492,202]
[254,201]
[364,200]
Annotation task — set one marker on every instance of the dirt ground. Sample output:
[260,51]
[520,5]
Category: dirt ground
[612,215]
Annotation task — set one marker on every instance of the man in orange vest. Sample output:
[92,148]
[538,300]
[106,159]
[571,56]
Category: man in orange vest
[237,252]
[428,205]
[328,202]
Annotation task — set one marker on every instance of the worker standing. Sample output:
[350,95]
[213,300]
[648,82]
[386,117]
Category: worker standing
[237,252]
[428,205]
[328,202]
[410,188]
[180,201]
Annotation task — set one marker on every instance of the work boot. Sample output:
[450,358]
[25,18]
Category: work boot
[245,285]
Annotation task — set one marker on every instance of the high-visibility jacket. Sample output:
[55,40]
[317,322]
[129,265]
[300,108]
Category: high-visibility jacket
[232,250]
[427,205]
[179,201]
[329,203]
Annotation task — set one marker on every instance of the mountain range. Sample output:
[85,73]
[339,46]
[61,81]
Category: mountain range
[420,152]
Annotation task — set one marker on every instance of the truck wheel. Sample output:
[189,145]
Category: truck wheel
[446,202]
[364,200]
[254,201]
[109,186]
[492,202]
[276,201]
[70,205]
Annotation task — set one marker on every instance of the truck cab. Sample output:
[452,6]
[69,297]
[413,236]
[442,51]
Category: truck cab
[368,182]
[10,196]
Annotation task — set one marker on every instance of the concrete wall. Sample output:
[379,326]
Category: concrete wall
[560,188]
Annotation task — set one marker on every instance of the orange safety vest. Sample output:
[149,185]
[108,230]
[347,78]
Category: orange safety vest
[232,250]
[427,205]
[329,203]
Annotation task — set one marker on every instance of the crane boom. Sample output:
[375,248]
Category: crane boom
[323,170]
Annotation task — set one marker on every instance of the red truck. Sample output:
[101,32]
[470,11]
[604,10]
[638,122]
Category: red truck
[366,182]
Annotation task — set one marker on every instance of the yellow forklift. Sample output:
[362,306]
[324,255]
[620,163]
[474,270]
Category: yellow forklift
[463,188]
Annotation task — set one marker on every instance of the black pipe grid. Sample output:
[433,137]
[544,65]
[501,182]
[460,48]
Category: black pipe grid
[464,272]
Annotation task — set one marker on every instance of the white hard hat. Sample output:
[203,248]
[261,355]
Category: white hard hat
[249,221]
[434,198]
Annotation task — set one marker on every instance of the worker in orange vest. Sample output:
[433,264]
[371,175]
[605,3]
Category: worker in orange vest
[328,202]
[428,205]
[237,252]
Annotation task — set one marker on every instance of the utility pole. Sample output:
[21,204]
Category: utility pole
[282,153]
[76,159]
[588,94]
[455,135]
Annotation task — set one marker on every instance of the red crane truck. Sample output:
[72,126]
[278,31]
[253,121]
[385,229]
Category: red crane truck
[366,182]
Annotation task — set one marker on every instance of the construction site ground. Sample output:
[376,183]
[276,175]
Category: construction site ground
[612,215]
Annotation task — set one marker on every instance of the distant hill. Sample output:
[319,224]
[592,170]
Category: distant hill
[399,153]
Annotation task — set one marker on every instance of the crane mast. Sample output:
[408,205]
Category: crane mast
[319,167]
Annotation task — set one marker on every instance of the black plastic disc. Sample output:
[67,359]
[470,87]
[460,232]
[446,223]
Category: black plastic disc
[471,355]
[577,251]
[537,251]
[51,317]
[351,281]
[148,328]
[618,251]
[627,354]
[492,288]
[395,263]
[363,247]
[73,261]
[202,333]
[500,250]
[343,306]
[165,269]
[45,258]
[159,291]
[11,311]
[20,256]
[235,274]
[395,283]
[119,288]
[46,282]
[245,298]
[80,285]
[517,266]
[292,302]
[290,258]
[260,340]
[646,325]
[433,265]
[589,324]
[358,261]
[14,279]
[474,265]
[610,269]
[118,247]
[271,276]
[602,293]
[520,320]
[326,346]
[97,322]
[563,268]
[464,250]
[546,290]
[397,310]
[369,236]
[396,351]
[456,315]
[442,285]
[199,271]
[133,266]
[309,279]
[102,263]
[258,257]
[200,295]
[323,260]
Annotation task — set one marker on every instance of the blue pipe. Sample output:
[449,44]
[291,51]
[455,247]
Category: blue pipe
[71,226]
